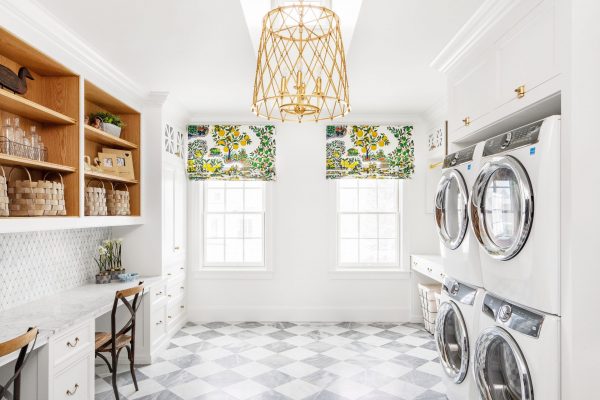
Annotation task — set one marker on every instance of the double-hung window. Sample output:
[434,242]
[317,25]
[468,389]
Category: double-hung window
[234,224]
[368,223]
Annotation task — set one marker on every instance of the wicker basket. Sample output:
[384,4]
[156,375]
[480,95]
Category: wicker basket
[95,198]
[28,198]
[118,200]
[3,195]
[429,305]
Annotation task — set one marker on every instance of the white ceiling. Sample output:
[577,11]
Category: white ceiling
[201,52]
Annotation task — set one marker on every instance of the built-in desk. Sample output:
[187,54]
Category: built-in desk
[64,355]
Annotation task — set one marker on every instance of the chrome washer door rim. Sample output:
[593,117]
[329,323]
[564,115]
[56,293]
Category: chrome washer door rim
[448,177]
[446,309]
[478,207]
[483,344]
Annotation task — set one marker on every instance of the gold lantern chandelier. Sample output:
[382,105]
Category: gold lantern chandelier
[301,67]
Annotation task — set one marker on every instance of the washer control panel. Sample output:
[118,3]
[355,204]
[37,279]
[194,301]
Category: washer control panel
[513,316]
[459,291]
[460,157]
[523,136]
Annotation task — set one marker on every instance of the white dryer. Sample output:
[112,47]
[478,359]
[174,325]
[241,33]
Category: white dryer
[455,334]
[517,353]
[515,214]
[458,246]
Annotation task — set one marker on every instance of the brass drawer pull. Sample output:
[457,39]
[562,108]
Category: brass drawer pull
[72,393]
[520,91]
[467,121]
[69,344]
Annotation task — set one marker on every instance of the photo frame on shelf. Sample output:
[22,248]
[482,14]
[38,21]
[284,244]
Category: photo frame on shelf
[107,162]
[123,162]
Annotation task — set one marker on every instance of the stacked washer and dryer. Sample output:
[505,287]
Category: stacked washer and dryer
[497,210]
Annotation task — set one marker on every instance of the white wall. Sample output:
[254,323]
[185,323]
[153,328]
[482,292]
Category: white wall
[302,286]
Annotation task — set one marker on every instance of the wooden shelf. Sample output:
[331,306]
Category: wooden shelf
[26,108]
[8,160]
[109,177]
[102,137]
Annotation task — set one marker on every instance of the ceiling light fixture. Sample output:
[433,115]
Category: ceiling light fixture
[301,66]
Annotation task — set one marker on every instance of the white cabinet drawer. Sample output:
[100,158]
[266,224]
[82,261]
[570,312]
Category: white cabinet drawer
[175,310]
[176,288]
[73,344]
[176,270]
[158,294]
[73,383]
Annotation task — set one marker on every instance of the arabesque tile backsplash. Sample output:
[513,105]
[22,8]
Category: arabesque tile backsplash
[36,264]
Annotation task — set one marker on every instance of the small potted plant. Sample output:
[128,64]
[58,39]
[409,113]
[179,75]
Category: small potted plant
[113,249]
[103,275]
[108,122]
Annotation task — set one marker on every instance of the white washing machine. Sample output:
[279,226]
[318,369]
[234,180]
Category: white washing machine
[515,214]
[455,334]
[517,353]
[458,246]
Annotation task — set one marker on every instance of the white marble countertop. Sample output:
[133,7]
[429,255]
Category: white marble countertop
[58,312]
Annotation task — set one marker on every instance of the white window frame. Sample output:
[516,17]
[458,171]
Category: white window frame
[235,270]
[393,270]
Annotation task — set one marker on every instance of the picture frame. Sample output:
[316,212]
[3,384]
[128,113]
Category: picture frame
[107,162]
[123,162]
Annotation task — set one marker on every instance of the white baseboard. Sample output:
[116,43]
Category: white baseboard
[351,314]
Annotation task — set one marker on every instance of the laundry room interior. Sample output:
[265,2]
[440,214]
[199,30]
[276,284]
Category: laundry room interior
[299,200]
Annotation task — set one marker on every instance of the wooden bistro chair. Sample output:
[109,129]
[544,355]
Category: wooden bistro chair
[115,341]
[20,343]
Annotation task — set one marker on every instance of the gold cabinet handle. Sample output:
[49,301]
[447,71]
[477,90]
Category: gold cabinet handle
[520,91]
[467,121]
[72,392]
[69,344]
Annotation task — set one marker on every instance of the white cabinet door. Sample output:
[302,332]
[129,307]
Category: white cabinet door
[179,225]
[527,55]
[168,212]
[174,207]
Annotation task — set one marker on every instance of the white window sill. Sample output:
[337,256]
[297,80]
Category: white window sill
[232,273]
[369,273]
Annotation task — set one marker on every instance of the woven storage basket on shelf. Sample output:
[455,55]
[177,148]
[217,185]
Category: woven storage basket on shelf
[95,198]
[29,198]
[3,195]
[118,200]
[429,304]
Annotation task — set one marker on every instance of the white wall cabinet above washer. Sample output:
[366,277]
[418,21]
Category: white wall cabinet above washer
[504,60]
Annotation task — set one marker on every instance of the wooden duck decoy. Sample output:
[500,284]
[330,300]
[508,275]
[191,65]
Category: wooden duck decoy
[11,81]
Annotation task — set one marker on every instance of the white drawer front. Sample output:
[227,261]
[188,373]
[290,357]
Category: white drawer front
[158,294]
[175,309]
[73,343]
[175,270]
[176,288]
[74,382]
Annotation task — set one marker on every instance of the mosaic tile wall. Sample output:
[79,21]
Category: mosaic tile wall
[36,264]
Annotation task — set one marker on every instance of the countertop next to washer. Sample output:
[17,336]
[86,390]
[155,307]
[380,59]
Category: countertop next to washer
[429,265]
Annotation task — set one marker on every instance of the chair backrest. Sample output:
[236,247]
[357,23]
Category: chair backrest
[121,296]
[20,343]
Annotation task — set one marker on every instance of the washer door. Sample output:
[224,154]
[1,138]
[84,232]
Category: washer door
[502,207]
[500,369]
[451,202]
[452,341]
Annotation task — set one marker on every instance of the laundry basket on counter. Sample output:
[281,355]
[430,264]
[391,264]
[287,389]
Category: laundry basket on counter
[430,301]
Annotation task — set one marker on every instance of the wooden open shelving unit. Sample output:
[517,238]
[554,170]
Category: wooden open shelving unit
[53,104]
[95,140]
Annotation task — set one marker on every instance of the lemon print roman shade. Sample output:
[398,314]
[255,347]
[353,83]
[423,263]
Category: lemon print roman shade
[231,152]
[370,151]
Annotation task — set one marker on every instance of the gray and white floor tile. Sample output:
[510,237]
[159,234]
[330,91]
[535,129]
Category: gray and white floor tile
[287,361]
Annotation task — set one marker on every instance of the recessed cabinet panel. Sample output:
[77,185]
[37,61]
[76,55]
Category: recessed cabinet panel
[472,94]
[527,55]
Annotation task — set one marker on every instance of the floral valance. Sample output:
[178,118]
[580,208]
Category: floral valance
[231,152]
[369,151]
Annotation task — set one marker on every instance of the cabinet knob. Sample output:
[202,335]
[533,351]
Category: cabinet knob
[76,342]
[467,121]
[176,248]
[520,91]
[159,322]
[72,392]
[181,306]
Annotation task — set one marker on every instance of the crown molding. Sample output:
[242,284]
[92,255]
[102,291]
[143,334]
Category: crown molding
[33,23]
[480,23]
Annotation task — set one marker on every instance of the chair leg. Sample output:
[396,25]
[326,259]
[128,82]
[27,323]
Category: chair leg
[114,373]
[17,388]
[131,356]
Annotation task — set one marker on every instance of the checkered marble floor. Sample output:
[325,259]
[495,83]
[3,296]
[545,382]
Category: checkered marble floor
[283,361]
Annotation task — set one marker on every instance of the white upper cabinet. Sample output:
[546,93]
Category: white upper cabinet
[505,59]
[174,207]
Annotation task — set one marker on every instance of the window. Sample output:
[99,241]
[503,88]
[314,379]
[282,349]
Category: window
[234,221]
[368,223]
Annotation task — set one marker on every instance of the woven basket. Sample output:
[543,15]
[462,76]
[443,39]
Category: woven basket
[95,198]
[3,195]
[28,198]
[118,200]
